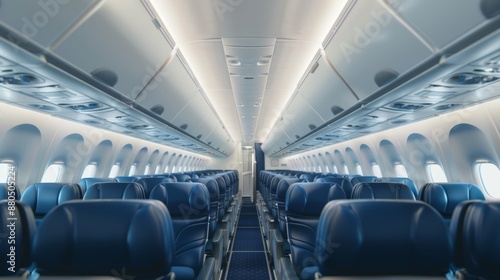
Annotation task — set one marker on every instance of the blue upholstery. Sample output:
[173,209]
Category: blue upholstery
[343,182]
[457,224]
[303,205]
[309,177]
[444,197]
[479,241]
[403,180]
[336,192]
[182,177]
[361,179]
[125,179]
[42,197]
[85,183]
[115,190]
[381,190]
[148,183]
[25,227]
[213,190]
[189,206]
[106,238]
[382,237]
[281,191]
[223,202]
[7,190]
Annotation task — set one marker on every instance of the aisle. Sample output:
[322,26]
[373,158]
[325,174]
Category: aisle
[248,259]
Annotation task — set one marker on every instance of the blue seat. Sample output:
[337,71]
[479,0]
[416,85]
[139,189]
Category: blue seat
[182,177]
[115,190]
[477,245]
[189,206]
[382,190]
[124,179]
[403,180]
[354,180]
[85,183]
[444,197]
[120,238]
[22,232]
[342,181]
[43,197]
[382,238]
[303,205]
[11,190]
[148,183]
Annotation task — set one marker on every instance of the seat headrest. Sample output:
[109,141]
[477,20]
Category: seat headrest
[382,237]
[283,186]
[85,183]
[444,197]
[115,190]
[481,243]
[336,192]
[382,190]
[187,199]
[159,192]
[212,186]
[403,180]
[105,237]
[42,197]
[22,229]
[307,199]
[148,183]
[457,224]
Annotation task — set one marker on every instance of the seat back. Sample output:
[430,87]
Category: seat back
[342,181]
[213,190]
[124,179]
[189,204]
[303,205]
[478,244]
[115,190]
[382,190]
[43,197]
[9,191]
[85,183]
[382,238]
[148,183]
[403,180]
[105,238]
[444,197]
[281,191]
[22,231]
[354,180]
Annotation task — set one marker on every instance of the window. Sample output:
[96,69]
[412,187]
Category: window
[327,169]
[400,170]
[346,170]
[358,169]
[133,169]
[147,170]
[53,173]
[435,173]
[335,170]
[8,172]
[376,170]
[89,170]
[489,176]
[166,169]
[157,169]
[114,170]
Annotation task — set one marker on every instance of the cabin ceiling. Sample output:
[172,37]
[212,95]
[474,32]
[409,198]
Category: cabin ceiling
[205,75]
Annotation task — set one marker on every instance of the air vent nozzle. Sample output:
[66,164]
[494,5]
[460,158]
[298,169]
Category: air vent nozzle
[470,79]
[21,79]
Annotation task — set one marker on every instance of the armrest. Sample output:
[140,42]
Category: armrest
[218,250]
[207,270]
[277,250]
[287,271]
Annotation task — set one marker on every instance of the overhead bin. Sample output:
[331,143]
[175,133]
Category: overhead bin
[130,46]
[370,51]
[300,118]
[326,92]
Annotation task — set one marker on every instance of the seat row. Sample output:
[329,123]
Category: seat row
[290,225]
[203,201]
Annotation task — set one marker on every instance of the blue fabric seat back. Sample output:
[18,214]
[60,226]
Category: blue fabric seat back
[403,180]
[281,191]
[309,177]
[478,240]
[444,197]
[303,205]
[342,181]
[457,224]
[354,180]
[182,177]
[213,190]
[105,238]
[22,231]
[124,179]
[43,197]
[272,200]
[382,190]
[85,183]
[115,190]
[223,202]
[7,191]
[189,206]
[382,238]
[148,183]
